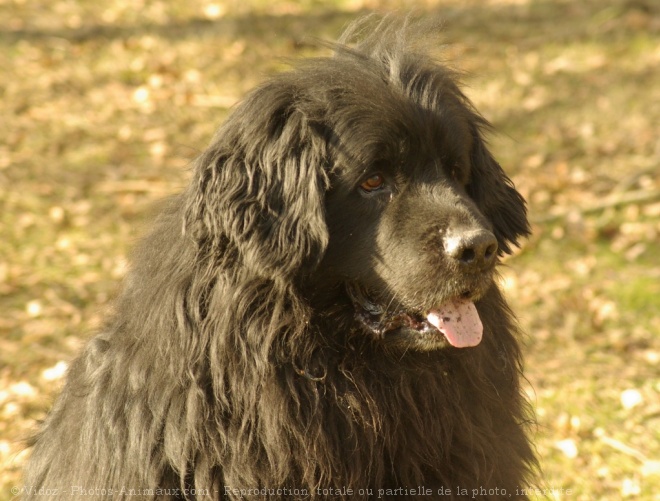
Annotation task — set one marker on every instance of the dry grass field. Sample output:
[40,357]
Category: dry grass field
[104,104]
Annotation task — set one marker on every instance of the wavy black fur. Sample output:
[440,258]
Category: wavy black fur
[234,359]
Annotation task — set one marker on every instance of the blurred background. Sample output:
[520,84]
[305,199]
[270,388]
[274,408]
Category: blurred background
[104,104]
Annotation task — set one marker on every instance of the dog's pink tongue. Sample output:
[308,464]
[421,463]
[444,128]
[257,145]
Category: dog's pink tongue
[459,321]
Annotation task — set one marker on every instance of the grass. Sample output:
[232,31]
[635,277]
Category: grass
[106,103]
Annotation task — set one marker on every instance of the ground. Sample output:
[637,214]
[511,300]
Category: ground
[104,105]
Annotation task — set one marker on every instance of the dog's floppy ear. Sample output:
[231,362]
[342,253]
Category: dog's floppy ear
[495,195]
[257,194]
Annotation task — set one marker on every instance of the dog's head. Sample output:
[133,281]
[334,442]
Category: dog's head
[365,175]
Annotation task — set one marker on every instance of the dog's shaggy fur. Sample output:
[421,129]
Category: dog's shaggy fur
[276,335]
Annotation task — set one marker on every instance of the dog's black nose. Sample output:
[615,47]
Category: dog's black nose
[475,250]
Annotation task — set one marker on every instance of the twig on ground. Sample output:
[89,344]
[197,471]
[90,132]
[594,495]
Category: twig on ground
[619,200]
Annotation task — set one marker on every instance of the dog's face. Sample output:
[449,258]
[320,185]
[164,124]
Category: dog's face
[410,241]
[365,179]
[413,252]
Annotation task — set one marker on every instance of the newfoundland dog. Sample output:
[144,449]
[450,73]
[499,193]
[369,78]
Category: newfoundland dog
[316,316]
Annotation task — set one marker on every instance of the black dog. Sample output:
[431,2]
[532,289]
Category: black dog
[316,315]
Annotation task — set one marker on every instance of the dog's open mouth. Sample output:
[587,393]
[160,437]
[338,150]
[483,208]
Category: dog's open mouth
[456,320]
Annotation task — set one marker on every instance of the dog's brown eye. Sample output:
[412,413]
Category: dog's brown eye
[373,183]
